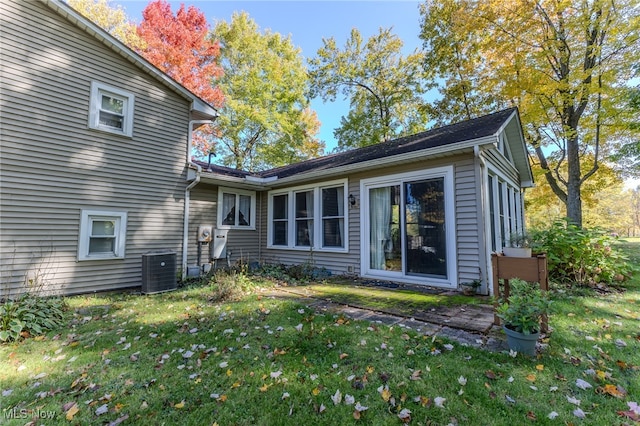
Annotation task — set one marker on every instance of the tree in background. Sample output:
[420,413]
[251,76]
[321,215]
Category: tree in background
[384,88]
[178,46]
[561,62]
[114,20]
[266,120]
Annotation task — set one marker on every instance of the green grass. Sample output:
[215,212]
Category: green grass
[252,365]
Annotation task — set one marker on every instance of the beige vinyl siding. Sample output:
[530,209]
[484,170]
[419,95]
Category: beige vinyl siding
[52,165]
[203,211]
[467,226]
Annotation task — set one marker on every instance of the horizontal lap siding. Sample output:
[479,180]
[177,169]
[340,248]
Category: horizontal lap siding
[467,226]
[203,211]
[52,165]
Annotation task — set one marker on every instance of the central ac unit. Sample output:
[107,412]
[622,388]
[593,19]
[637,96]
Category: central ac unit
[159,272]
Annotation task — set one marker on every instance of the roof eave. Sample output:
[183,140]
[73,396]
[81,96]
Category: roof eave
[413,156]
[199,108]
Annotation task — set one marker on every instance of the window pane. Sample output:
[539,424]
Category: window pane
[304,232]
[111,120]
[333,201]
[228,209]
[280,206]
[332,231]
[244,215]
[426,245]
[112,104]
[101,245]
[280,233]
[304,204]
[103,227]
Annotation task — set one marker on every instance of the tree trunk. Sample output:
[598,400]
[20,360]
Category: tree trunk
[574,200]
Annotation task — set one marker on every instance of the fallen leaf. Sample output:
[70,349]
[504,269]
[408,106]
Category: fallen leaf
[540,367]
[337,397]
[405,415]
[582,384]
[179,405]
[386,394]
[72,411]
[315,391]
[118,420]
[439,401]
[349,399]
[102,409]
[531,377]
[612,390]
[531,416]
[552,415]
[490,375]
[573,400]
[579,413]
[462,381]
[416,375]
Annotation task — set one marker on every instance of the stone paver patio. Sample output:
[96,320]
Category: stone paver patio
[470,325]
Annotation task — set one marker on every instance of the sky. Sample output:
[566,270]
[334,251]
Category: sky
[308,22]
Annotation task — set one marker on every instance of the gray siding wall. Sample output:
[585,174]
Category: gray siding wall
[243,244]
[467,226]
[52,165]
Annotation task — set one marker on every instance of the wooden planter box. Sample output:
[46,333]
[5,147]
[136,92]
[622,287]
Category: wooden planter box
[531,269]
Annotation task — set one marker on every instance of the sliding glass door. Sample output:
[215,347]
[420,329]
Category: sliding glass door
[406,230]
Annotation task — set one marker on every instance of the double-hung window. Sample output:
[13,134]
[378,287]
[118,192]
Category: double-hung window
[309,217]
[102,235]
[236,209]
[111,109]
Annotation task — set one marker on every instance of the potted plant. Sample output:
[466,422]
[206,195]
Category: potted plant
[521,314]
[469,288]
[519,245]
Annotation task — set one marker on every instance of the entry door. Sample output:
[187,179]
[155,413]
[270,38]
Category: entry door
[406,233]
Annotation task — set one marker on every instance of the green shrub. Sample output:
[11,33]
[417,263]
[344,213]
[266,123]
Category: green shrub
[581,255]
[29,316]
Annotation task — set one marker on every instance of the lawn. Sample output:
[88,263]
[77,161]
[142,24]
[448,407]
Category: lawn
[179,358]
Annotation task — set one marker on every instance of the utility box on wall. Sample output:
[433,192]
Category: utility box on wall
[159,272]
[219,244]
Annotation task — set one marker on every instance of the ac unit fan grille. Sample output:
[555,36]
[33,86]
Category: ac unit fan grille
[159,272]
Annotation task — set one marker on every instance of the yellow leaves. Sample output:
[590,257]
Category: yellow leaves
[264,388]
[531,377]
[385,394]
[315,391]
[370,369]
[235,385]
[612,390]
[72,412]
[229,373]
[343,355]
[277,351]
[540,367]
[179,405]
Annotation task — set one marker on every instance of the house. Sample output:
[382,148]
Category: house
[424,209]
[93,154]
[95,172]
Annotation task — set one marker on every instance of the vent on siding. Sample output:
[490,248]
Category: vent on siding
[159,272]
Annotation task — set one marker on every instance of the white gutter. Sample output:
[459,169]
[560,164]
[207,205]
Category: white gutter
[187,194]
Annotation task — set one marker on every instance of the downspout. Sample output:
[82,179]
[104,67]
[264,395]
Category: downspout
[484,261]
[187,194]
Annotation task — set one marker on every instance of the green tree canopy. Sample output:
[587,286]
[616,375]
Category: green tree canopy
[266,120]
[384,87]
[561,62]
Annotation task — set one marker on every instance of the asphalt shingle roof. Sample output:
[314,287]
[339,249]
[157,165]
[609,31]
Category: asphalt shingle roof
[475,128]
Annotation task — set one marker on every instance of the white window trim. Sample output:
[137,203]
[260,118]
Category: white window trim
[447,173]
[237,193]
[516,220]
[86,218]
[317,217]
[97,89]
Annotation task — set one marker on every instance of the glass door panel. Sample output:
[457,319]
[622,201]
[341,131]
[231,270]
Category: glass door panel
[385,239]
[425,236]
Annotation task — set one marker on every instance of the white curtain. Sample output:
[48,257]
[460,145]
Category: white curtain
[310,213]
[380,232]
[340,203]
